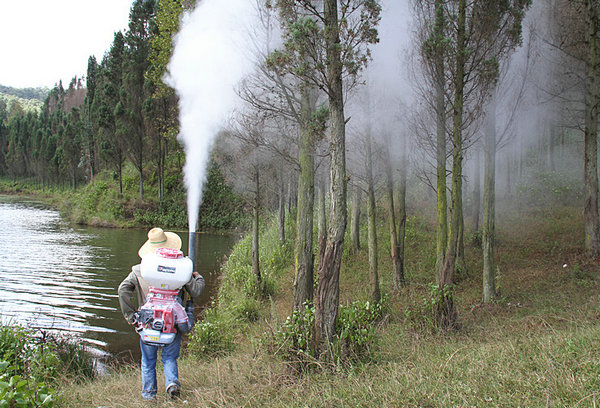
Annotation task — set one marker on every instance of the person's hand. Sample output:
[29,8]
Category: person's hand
[189,307]
[195,274]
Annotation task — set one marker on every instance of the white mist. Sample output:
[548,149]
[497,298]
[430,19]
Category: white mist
[209,60]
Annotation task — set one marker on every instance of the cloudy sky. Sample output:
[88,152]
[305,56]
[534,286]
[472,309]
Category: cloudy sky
[44,41]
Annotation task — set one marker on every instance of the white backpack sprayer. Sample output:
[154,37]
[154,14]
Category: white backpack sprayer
[166,272]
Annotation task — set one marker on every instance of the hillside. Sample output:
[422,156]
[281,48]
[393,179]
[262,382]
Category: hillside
[38,94]
[28,98]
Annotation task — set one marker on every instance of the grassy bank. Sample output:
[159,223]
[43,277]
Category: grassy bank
[101,202]
[537,346]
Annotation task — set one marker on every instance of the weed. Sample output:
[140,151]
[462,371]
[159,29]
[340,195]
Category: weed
[16,391]
[30,362]
[294,339]
[212,336]
[356,329]
[248,309]
[355,336]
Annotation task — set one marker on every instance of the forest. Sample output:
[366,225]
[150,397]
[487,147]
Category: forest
[345,107]
[39,94]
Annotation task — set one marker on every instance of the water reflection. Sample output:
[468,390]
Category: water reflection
[56,276]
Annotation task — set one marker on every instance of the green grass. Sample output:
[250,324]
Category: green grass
[100,203]
[537,346]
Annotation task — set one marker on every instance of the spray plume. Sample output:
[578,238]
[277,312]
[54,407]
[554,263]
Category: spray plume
[208,62]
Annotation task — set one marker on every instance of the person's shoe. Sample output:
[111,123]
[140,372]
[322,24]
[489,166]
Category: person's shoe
[149,397]
[173,390]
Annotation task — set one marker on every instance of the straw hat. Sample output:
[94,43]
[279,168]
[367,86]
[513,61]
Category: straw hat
[157,238]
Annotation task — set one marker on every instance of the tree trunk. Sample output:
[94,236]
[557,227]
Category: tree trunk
[476,191]
[400,278]
[590,166]
[255,247]
[355,230]
[461,264]
[446,311]
[322,233]
[281,210]
[141,173]
[303,284]
[372,226]
[290,194]
[508,178]
[161,170]
[489,200]
[328,291]
[440,105]
[121,178]
[397,270]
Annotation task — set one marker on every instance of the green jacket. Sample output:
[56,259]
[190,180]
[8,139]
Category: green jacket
[135,283]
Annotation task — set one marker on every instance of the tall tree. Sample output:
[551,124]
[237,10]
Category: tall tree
[134,94]
[474,35]
[372,223]
[279,93]
[489,204]
[328,291]
[3,135]
[578,79]
[399,275]
[163,108]
[106,100]
[439,79]
[355,221]
[304,281]
[72,142]
[446,310]
[336,39]
[590,143]
[91,124]
[434,38]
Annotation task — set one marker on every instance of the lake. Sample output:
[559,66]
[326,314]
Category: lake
[58,276]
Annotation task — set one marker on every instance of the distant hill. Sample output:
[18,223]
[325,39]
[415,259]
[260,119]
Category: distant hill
[28,98]
[39,94]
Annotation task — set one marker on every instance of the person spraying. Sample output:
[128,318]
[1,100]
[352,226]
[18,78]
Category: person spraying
[159,284]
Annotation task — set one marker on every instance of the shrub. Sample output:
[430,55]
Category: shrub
[212,336]
[422,316]
[16,391]
[30,361]
[75,361]
[294,339]
[356,328]
[238,279]
[248,309]
[43,355]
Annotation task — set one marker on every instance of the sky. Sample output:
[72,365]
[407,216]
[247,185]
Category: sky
[45,41]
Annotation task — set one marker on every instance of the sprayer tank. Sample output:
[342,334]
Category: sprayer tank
[166,269]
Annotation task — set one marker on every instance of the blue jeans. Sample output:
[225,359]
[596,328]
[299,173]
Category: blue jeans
[169,356]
